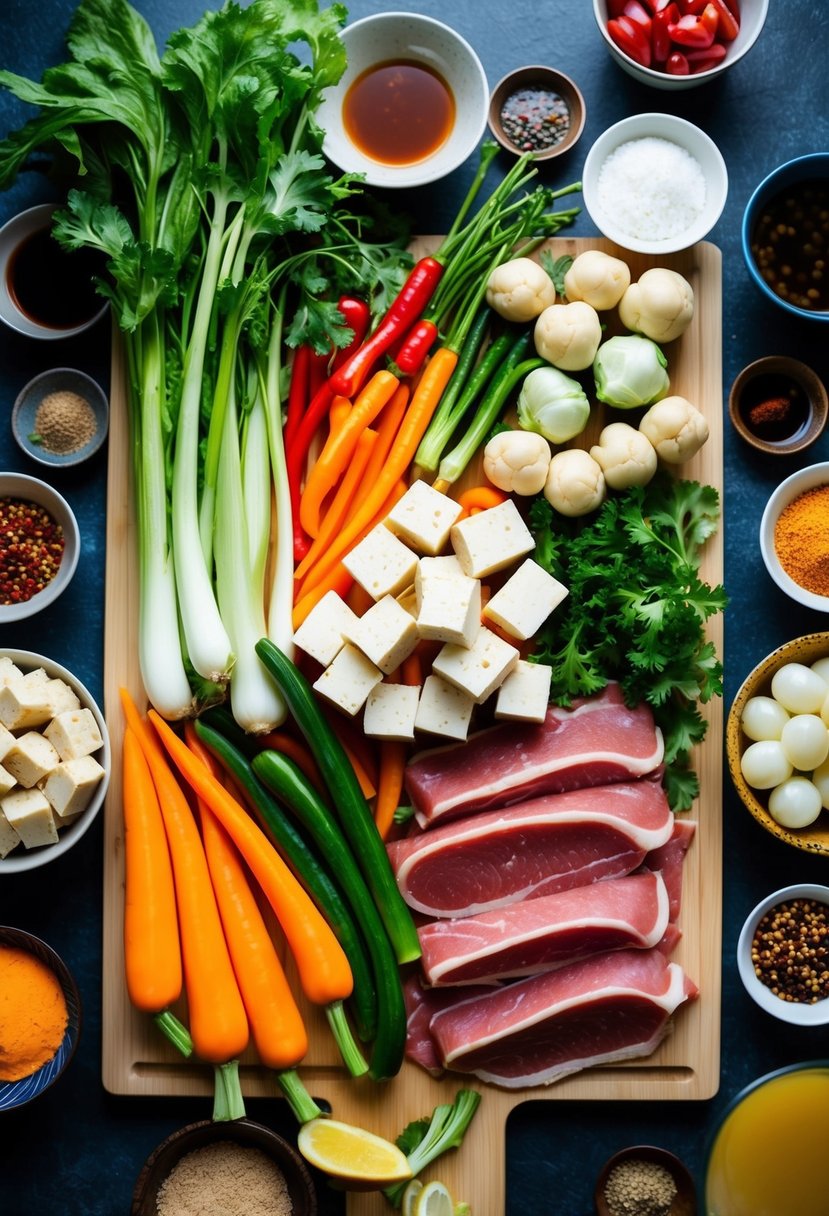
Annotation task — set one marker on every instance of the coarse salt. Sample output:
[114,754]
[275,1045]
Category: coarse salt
[653,188]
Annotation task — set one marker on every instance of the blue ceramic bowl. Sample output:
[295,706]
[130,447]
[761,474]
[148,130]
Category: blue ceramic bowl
[14,1094]
[814,167]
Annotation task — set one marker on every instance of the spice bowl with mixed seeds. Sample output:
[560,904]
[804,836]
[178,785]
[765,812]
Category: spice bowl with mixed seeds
[783,954]
[644,1180]
[40,545]
[537,109]
[60,417]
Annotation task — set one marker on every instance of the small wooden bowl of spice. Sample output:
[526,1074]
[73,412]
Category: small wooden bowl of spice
[783,954]
[219,1169]
[644,1180]
[61,417]
[778,405]
[536,109]
[794,536]
[40,1017]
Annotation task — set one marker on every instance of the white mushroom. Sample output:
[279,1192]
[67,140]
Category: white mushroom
[626,457]
[568,335]
[517,461]
[598,279]
[676,429]
[575,483]
[519,290]
[660,305]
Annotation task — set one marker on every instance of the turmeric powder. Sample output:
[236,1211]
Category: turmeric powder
[33,1014]
[801,540]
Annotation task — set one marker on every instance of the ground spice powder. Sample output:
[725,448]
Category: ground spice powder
[64,422]
[33,1014]
[801,540]
[639,1188]
[225,1179]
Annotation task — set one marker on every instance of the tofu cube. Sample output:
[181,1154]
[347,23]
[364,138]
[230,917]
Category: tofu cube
[9,671]
[408,601]
[30,815]
[449,605]
[479,669]
[9,838]
[70,786]
[381,563]
[61,696]
[322,634]
[7,742]
[7,780]
[36,676]
[386,634]
[348,680]
[423,518]
[431,567]
[444,709]
[31,758]
[74,733]
[390,712]
[525,692]
[24,705]
[525,601]
[491,540]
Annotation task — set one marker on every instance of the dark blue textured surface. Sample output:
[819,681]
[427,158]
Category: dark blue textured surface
[77,1150]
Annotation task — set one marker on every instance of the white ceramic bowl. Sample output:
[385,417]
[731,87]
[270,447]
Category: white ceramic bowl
[752,18]
[12,236]
[384,38]
[794,1012]
[32,489]
[29,859]
[804,479]
[674,130]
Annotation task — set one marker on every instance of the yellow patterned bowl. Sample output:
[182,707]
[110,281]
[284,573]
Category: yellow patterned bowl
[806,650]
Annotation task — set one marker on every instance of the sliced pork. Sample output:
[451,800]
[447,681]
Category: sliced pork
[538,848]
[669,860]
[599,741]
[538,1030]
[540,934]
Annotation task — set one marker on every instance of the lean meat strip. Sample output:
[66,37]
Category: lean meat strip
[541,934]
[597,742]
[609,1007]
[668,860]
[541,847]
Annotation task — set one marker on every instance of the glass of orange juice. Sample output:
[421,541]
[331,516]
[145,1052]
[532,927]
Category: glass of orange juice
[769,1155]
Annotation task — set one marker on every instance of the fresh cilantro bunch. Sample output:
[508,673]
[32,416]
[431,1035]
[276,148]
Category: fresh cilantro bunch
[636,610]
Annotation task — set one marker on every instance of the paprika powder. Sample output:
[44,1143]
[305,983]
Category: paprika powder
[33,1014]
[801,540]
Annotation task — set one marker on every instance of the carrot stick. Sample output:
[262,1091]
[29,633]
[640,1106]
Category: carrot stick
[341,503]
[480,498]
[338,411]
[359,600]
[322,966]
[387,428]
[393,753]
[422,405]
[152,952]
[412,670]
[334,457]
[218,1023]
[280,741]
[275,1021]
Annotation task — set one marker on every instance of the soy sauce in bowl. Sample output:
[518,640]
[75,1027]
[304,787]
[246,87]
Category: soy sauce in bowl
[52,286]
[399,112]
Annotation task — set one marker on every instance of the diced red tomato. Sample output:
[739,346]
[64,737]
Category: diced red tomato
[734,5]
[660,37]
[631,39]
[695,31]
[701,61]
[637,13]
[692,7]
[675,36]
[615,8]
[728,26]
[677,64]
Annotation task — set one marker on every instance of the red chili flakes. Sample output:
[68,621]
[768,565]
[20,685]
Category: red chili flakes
[31,549]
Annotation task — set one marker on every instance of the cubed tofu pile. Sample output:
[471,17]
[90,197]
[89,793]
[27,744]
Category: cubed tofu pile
[425,568]
[48,770]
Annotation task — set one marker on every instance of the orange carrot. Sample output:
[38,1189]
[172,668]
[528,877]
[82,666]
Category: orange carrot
[334,457]
[275,1021]
[393,753]
[412,670]
[338,411]
[281,741]
[341,502]
[418,415]
[218,1023]
[387,428]
[480,498]
[322,966]
[359,600]
[152,953]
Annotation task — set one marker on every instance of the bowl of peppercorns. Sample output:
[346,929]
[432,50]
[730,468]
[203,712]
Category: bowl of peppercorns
[536,109]
[39,546]
[783,954]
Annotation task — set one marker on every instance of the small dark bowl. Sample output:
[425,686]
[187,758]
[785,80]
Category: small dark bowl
[14,1094]
[774,376]
[538,77]
[241,1131]
[814,167]
[685,1200]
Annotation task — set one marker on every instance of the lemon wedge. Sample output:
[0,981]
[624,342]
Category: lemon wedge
[356,1158]
[407,1207]
[434,1200]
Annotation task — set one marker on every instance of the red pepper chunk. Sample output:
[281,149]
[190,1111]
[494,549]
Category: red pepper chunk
[696,32]
[728,25]
[661,44]
[631,39]
[634,10]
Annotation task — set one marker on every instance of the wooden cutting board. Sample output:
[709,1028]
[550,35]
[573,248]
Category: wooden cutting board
[137,1060]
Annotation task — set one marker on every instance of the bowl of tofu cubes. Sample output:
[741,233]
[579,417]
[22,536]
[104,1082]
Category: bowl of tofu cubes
[54,760]
[463,584]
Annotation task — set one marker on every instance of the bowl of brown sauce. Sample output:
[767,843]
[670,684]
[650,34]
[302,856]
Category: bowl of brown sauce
[46,291]
[778,405]
[410,107]
[785,237]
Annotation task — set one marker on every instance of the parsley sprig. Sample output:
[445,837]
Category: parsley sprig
[636,610]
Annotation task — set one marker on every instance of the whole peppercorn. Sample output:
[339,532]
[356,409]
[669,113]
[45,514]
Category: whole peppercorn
[31,549]
[790,951]
[639,1188]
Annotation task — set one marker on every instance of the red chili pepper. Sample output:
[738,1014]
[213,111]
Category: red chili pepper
[416,345]
[631,39]
[409,303]
[728,26]
[357,316]
[695,32]
[660,37]
[295,456]
[677,64]
[298,393]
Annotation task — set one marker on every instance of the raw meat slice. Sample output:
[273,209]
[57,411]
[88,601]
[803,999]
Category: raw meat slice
[669,860]
[597,742]
[538,1030]
[421,1006]
[541,934]
[547,845]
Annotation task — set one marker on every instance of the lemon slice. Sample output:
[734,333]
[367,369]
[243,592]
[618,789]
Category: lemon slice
[407,1207]
[356,1158]
[434,1200]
